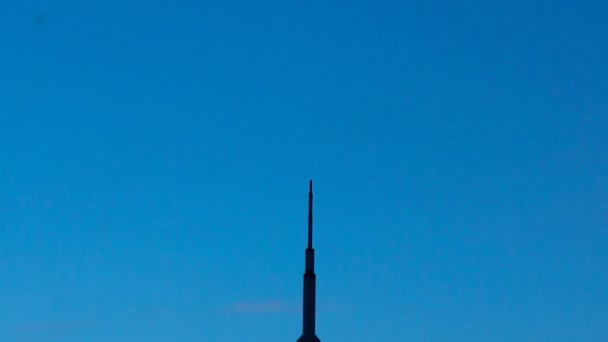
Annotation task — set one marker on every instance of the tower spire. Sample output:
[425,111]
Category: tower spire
[310,215]
[310,284]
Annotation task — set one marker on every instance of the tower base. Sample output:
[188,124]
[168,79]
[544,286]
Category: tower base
[312,338]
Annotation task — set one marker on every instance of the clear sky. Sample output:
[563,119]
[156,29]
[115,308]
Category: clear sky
[155,158]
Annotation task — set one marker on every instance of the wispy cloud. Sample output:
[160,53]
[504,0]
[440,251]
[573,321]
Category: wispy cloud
[50,329]
[261,307]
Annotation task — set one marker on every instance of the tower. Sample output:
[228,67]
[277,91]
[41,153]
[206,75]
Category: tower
[310,284]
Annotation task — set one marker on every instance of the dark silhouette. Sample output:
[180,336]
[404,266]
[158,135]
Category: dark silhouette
[310,284]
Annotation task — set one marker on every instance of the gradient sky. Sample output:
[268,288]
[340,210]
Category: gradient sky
[155,158]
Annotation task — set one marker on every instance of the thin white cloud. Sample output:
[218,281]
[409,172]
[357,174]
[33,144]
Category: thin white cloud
[50,329]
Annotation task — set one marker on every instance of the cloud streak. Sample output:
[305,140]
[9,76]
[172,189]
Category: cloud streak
[50,329]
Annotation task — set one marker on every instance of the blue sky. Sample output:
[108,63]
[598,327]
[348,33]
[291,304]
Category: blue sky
[155,158]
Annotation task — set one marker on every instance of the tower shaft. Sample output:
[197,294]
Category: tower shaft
[310,284]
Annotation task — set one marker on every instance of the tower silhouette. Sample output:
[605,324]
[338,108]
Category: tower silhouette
[310,284]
